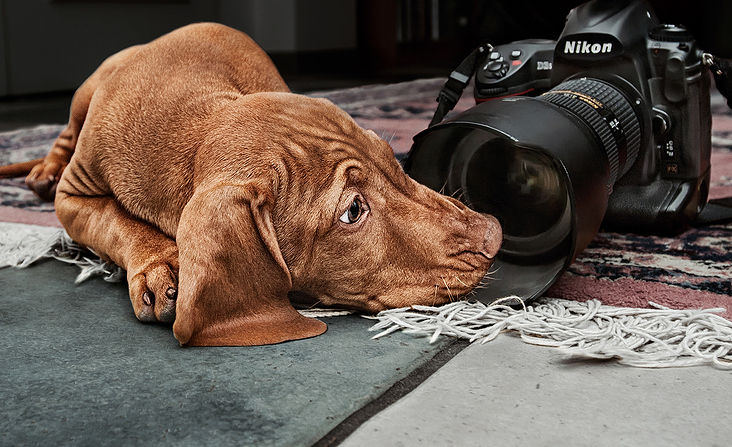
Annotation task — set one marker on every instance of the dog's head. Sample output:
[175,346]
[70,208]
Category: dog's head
[311,202]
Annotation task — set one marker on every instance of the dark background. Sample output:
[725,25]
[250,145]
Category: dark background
[464,24]
[51,46]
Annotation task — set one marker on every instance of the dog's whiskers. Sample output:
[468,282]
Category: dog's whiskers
[483,284]
[462,282]
[315,304]
[384,133]
[449,292]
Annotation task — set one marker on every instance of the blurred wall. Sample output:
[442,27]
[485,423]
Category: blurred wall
[53,45]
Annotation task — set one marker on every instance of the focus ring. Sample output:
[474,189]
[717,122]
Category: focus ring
[609,115]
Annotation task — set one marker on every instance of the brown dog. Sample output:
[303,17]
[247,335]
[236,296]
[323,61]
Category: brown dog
[220,192]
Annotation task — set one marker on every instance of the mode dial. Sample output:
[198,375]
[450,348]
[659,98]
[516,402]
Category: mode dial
[671,33]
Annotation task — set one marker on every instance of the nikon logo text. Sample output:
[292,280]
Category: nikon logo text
[584,47]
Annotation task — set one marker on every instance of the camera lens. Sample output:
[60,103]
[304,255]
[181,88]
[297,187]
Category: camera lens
[543,166]
[609,114]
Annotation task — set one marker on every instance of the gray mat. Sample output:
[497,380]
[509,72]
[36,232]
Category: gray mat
[79,369]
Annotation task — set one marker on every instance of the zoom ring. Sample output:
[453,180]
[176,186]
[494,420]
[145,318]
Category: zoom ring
[609,115]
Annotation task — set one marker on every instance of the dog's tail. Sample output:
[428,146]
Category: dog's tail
[18,169]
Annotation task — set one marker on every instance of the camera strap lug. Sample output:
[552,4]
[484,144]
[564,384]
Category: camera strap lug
[722,71]
[456,83]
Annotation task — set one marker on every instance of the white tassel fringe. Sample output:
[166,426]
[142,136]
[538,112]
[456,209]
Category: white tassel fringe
[648,338]
[21,246]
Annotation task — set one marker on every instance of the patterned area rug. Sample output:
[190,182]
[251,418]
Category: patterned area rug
[691,271]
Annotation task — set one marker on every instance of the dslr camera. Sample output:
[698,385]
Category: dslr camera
[609,126]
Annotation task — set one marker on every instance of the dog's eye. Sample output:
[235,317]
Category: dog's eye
[353,213]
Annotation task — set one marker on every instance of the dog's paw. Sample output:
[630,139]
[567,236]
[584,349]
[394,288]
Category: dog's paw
[154,290]
[44,178]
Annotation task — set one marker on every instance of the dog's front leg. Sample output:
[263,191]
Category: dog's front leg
[150,257]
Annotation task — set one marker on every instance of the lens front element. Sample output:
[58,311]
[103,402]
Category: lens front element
[525,189]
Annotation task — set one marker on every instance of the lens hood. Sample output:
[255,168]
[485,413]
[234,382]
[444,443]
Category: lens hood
[539,169]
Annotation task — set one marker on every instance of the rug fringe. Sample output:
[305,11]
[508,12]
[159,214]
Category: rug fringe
[648,338]
[22,248]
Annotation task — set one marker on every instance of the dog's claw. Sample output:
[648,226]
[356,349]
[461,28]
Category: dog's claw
[147,298]
[167,315]
[43,178]
[154,286]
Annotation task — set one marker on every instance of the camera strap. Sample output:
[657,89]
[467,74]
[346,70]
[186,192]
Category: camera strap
[722,71]
[718,211]
[456,83]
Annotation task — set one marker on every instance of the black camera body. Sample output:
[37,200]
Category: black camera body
[660,70]
[607,127]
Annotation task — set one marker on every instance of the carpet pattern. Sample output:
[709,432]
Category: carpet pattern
[693,270]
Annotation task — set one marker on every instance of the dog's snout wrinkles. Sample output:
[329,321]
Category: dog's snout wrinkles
[481,232]
[493,237]
[481,238]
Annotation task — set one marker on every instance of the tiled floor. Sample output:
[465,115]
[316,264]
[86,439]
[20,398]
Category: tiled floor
[79,369]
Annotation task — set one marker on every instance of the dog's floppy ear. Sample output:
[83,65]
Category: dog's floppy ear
[233,281]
